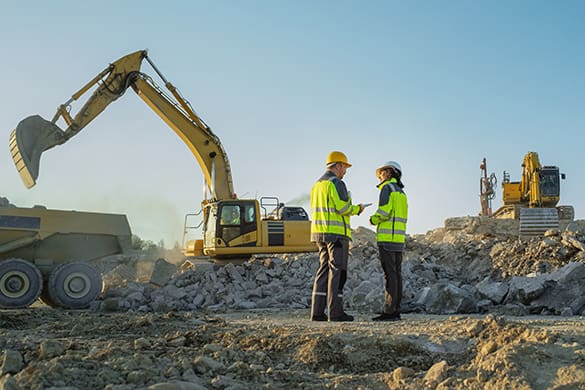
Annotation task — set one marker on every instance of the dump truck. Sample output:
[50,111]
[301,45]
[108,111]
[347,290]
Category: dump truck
[534,199]
[252,232]
[46,253]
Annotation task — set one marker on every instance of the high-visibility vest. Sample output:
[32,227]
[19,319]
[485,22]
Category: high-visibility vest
[331,208]
[392,213]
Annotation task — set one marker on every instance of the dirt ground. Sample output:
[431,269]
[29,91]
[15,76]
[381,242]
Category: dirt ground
[44,348]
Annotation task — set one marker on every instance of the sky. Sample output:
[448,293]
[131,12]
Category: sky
[434,85]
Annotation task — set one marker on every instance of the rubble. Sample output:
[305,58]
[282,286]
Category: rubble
[235,327]
[4,202]
[472,265]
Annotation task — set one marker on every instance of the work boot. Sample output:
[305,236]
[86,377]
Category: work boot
[317,317]
[344,318]
[387,317]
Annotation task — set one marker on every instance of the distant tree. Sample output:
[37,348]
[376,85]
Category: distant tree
[137,242]
[146,245]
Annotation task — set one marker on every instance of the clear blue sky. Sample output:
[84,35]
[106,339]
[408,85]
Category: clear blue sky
[436,86]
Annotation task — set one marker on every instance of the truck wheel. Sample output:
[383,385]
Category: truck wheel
[20,283]
[74,285]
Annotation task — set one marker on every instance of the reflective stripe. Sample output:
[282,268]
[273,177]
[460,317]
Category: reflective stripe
[382,212]
[344,209]
[396,219]
[323,210]
[394,187]
[391,232]
[340,295]
[329,223]
[320,294]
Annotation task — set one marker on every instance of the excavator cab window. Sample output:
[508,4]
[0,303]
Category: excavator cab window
[249,214]
[209,227]
[549,182]
[230,215]
[229,222]
[235,220]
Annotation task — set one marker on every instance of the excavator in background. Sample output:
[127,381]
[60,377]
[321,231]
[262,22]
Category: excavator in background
[533,200]
[233,229]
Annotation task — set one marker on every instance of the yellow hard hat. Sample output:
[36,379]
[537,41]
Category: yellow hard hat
[335,157]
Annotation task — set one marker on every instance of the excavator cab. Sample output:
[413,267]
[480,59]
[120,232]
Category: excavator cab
[237,219]
[237,229]
[31,137]
[549,185]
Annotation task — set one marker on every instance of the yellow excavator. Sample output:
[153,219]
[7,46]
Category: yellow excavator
[232,228]
[534,199]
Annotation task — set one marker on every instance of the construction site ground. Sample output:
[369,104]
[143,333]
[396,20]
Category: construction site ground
[247,326]
[276,349]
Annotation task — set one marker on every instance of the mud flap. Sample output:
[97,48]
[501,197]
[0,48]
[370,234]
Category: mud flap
[28,141]
[536,221]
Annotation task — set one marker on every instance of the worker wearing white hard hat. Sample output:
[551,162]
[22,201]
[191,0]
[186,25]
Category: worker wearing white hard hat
[390,164]
[390,220]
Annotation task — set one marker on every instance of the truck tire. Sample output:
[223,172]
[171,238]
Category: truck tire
[74,285]
[21,283]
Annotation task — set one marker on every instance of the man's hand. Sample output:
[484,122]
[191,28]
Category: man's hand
[363,207]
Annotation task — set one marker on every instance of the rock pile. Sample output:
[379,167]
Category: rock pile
[4,202]
[472,265]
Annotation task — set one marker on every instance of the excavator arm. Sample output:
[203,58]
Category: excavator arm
[530,184]
[34,135]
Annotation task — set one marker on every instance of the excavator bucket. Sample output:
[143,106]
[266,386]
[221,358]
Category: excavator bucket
[28,141]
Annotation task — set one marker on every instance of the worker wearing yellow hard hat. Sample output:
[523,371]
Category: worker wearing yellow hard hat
[331,208]
[390,220]
[337,157]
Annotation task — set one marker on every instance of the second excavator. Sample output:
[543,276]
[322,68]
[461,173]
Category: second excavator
[534,199]
[232,227]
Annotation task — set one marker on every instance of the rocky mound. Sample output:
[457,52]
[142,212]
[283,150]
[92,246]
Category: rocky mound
[472,265]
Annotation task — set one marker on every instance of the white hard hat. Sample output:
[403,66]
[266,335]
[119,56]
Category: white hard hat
[389,164]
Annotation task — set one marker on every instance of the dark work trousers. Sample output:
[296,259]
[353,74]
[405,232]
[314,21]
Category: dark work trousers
[392,266]
[330,278]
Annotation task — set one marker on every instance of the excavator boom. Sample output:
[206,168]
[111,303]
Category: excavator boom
[35,135]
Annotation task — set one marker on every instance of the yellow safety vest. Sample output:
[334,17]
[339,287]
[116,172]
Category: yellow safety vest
[392,213]
[330,209]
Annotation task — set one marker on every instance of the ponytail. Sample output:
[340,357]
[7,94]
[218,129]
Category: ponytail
[396,174]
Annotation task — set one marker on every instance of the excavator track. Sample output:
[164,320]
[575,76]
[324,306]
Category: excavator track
[536,221]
